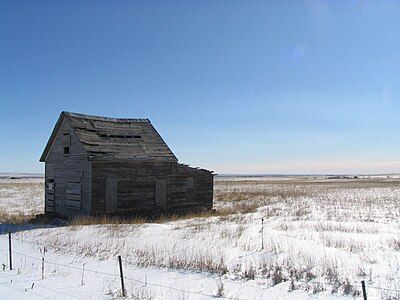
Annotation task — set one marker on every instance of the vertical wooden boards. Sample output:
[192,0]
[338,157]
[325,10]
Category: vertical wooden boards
[111,203]
[135,183]
[73,193]
[161,193]
[149,187]
[190,189]
[136,191]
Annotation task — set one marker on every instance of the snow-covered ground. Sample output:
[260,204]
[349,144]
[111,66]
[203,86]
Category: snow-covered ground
[319,239]
[76,277]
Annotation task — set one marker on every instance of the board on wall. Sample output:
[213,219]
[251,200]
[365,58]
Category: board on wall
[73,193]
[161,192]
[111,193]
[50,187]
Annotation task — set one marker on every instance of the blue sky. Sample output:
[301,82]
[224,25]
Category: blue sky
[233,86]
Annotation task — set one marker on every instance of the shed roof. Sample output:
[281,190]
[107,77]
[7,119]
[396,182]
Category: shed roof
[114,138]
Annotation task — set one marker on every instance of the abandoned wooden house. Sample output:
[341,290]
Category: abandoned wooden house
[97,165]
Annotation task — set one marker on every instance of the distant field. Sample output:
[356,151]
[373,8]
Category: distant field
[21,196]
[320,235]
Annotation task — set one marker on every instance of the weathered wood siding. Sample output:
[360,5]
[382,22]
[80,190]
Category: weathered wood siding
[190,188]
[71,174]
[150,187]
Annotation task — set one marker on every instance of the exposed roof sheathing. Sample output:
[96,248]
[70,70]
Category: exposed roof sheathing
[114,138]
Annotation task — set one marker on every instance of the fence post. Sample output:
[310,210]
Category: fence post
[43,254]
[122,276]
[364,290]
[262,233]
[83,274]
[9,249]
[42,267]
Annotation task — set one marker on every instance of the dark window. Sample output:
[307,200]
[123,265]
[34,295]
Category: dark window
[66,143]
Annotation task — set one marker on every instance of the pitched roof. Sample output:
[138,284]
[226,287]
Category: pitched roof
[114,138]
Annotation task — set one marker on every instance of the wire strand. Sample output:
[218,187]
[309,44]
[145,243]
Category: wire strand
[384,289]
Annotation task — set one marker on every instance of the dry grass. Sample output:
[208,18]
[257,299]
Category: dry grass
[102,220]
[137,291]
[14,218]
[22,195]
[186,216]
[245,195]
[20,218]
[394,243]
[187,260]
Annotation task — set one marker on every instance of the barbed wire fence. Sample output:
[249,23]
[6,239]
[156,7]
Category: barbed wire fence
[82,269]
[144,283]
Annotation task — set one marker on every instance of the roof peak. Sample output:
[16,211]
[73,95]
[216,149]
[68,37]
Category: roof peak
[106,138]
[101,118]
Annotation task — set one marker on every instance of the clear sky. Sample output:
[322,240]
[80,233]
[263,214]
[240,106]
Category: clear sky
[233,86]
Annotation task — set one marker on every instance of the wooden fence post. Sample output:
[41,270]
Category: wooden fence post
[262,233]
[364,290]
[122,276]
[43,255]
[83,274]
[42,267]
[9,249]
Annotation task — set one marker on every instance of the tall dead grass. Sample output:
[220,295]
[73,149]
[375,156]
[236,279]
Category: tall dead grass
[15,218]
[183,260]
[103,220]
[245,195]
